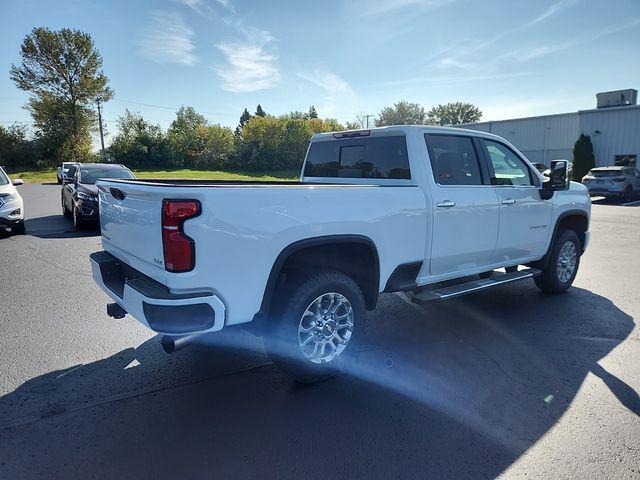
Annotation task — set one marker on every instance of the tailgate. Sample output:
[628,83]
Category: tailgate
[130,220]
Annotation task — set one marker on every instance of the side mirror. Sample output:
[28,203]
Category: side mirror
[17,181]
[557,179]
[559,175]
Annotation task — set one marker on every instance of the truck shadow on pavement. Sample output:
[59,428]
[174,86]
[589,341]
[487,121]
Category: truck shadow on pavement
[457,389]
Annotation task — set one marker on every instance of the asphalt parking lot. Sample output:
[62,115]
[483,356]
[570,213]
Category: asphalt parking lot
[511,382]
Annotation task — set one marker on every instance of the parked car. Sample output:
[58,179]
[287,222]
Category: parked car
[80,193]
[62,171]
[541,167]
[383,210]
[11,204]
[618,182]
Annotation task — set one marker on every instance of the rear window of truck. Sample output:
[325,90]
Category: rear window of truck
[372,157]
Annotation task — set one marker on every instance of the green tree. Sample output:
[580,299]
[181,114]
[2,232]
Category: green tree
[16,150]
[245,117]
[260,112]
[138,143]
[193,142]
[312,112]
[63,71]
[402,113]
[583,157]
[454,113]
[182,142]
[271,143]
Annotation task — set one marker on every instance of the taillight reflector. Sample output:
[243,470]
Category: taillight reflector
[179,249]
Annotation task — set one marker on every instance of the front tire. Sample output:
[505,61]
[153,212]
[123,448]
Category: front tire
[78,224]
[313,332]
[18,229]
[563,263]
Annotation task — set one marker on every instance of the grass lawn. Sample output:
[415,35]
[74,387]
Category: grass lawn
[49,176]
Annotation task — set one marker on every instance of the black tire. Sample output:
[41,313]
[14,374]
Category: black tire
[281,336]
[59,182]
[18,229]
[65,210]
[78,223]
[549,281]
[628,194]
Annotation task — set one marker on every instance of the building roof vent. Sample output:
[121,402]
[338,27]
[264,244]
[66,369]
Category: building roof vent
[617,98]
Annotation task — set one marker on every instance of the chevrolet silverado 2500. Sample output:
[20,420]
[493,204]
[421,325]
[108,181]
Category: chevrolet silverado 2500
[436,212]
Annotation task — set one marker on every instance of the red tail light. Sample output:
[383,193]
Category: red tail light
[179,249]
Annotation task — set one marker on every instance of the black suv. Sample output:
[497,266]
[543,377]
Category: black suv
[80,193]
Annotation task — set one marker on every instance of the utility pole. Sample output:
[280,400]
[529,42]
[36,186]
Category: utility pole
[100,124]
[367,117]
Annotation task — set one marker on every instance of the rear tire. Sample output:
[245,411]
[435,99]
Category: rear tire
[563,263]
[313,332]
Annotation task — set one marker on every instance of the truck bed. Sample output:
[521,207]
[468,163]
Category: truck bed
[164,182]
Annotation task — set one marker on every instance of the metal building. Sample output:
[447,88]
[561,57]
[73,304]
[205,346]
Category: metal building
[614,129]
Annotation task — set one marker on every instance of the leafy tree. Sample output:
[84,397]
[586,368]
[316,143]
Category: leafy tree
[402,113]
[260,112]
[182,137]
[312,112]
[583,157]
[63,71]
[193,142]
[271,143]
[454,113]
[138,143]
[16,150]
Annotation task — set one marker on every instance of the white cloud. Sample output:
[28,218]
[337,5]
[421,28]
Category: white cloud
[168,39]
[251,67]
[523,55]
[379,7]
[338,97]
[205,8]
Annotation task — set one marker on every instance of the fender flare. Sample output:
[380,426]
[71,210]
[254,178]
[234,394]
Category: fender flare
[294,247]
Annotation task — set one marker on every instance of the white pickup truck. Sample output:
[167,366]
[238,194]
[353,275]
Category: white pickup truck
[437,212]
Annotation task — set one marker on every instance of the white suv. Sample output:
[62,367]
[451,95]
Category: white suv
[11,205]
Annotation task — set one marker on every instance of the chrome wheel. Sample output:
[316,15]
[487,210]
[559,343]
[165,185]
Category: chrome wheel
[567,259]
[325,328]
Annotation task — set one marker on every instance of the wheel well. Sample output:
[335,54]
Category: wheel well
[354,256]
[576,222]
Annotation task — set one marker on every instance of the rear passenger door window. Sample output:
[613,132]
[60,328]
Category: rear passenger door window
[383,157]
[454,159]
[508,168]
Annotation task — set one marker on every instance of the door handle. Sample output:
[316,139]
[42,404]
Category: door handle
[446,204]
[508,201]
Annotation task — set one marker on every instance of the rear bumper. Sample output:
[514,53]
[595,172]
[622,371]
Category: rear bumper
[152,303]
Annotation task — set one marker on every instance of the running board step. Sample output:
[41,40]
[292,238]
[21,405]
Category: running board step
[433,293]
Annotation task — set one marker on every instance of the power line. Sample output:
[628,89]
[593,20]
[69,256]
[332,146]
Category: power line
[166,107]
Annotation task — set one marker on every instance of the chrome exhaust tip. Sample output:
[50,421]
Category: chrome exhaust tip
[171,343]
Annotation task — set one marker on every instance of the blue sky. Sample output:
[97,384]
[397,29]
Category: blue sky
[347,57]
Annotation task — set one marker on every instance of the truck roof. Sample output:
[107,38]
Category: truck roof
[390,129]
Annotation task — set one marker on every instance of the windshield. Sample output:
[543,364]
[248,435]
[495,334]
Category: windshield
[88,176]
[4,180]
